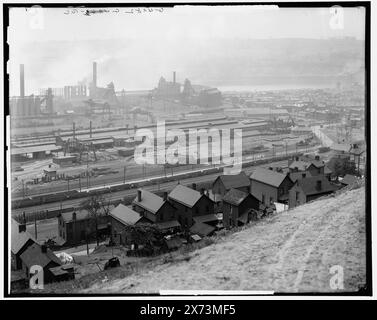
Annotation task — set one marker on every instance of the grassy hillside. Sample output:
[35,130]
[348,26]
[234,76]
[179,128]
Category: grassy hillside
[288,252]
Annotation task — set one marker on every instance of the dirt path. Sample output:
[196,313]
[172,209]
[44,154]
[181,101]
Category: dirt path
[290,252]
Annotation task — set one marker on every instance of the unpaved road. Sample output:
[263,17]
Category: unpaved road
[289,252]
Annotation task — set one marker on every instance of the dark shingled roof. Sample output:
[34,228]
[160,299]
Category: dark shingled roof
[206,218]
[270,177]
[34,256]
[202,229]
[168,224]
[125,215]
[235,197]
[309,185]
[185,195]
[149,201]
[235,180]
[299,175]
[300,165]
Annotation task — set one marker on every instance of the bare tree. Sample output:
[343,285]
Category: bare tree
[96,206]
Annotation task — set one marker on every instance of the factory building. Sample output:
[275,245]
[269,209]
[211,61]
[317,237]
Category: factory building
[168,89]
[75,92]
[24,106]
[209,98]
[100,97]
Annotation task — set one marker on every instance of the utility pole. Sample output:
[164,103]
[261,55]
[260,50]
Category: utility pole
[35,226]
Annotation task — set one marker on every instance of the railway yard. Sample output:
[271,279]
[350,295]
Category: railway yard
[86,145]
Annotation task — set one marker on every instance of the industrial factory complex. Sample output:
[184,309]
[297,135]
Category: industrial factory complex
[76,144]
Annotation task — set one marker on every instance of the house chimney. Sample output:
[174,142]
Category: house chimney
[317,157]
[194,186]
[319,185]
[22,81]
[139,195]
[248,189]
[44,248]
[165,196]
[95,74]
[21,227]
[74,216]
[202,191]
[296,158]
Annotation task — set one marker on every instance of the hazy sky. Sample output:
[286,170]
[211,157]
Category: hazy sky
[32,31]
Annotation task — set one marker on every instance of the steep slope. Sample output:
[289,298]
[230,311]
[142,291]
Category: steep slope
[289,252]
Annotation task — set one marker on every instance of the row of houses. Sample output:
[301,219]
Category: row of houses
[233,200]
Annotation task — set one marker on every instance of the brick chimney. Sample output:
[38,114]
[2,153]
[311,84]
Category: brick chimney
[21,227]
[44,248]
[317,157]
[202,191]
[194,186]
[74,216]
[139,195]
[165,196]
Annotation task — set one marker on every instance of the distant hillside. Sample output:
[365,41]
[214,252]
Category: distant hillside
[137,64]
[290,252]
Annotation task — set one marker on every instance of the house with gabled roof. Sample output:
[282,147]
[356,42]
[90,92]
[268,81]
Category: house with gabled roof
[76,226]
[224,183]
[190,203]
[299,175]
[40,255]
[270,186]
[121,218]
[153,207]
[21,239]
[236,207]
[312,164]
[309,189]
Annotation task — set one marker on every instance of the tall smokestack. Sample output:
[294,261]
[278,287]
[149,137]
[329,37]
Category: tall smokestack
[95,74]
[174,77]
[22,81]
